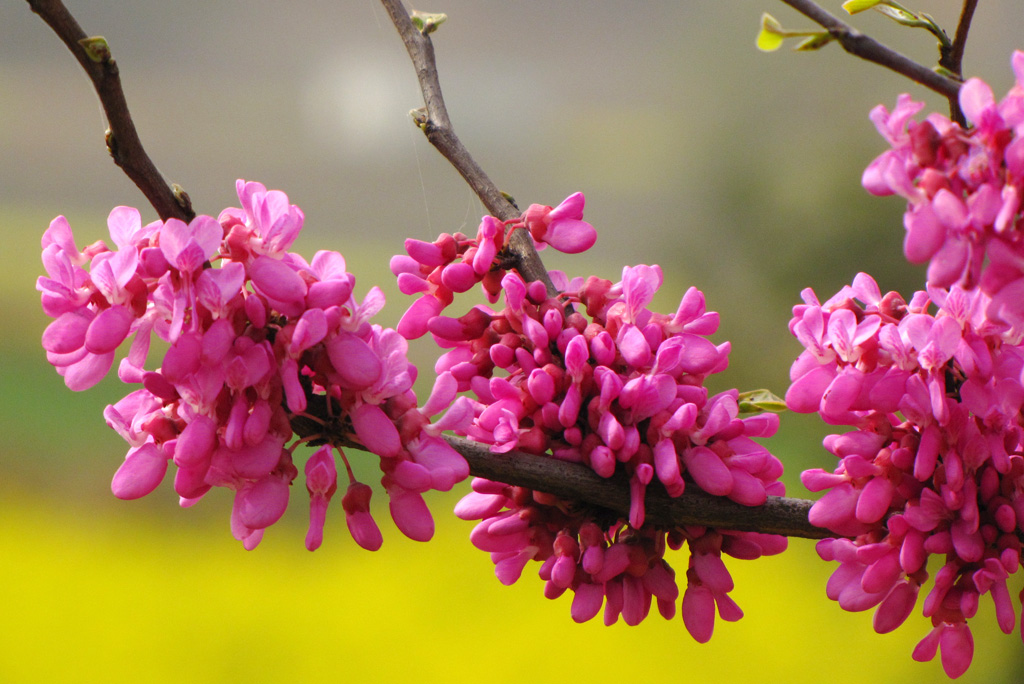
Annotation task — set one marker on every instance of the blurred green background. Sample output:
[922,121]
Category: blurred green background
[736,171]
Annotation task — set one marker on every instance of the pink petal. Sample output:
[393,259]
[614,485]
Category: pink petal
[571,207]
[263,503]
[708,471]
[411,514]
[279,282]
[414,322]
[586,602]
[956,648]
[804,395]
[699,613]
[124,223]
[376,431]
[895,608]
[67,333]
[85,373]
[196,443]
[975,97]
[925,234]
[108,330]
[143,469]
[570,236]
[354,360]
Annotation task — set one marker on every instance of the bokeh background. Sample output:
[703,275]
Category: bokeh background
[737,171]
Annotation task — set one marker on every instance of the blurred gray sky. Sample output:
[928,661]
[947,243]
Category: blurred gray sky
[737,171]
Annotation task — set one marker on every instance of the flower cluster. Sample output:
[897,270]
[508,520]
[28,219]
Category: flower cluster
[964,191]
[258,345]
[453,264]
[618,388]
[933,466]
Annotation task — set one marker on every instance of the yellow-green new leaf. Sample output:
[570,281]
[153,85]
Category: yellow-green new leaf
[772,34]
[901,16]
[96,48]
[855,6]
[427,22]
[760,400]
[815,42]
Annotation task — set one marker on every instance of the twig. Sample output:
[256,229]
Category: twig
[956,54]
[865,47]
[954,57]
[121,137]
[438,129]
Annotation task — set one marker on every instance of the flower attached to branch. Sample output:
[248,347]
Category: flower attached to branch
[618,388]
[933,466]
[257,336]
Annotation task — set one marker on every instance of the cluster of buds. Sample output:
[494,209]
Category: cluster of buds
[453,264]
[963,190]
[256,345]
[618,388]
[936,462]
[933,466]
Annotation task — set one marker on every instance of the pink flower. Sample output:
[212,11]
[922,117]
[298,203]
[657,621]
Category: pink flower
[619,389]
[562,227]
[924,471]
[321,482]
[257,336]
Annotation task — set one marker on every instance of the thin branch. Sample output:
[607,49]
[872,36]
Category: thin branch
[121,137]
[952,59]
[438,128]
[856,43]
[956,54]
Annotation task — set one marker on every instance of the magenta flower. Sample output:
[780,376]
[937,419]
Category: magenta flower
[321,482]
[935,402]
[562,227]
[255,336]
[963,189]
[619,389]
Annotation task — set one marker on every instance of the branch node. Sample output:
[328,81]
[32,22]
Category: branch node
[122,140]
[182,198]
[420,118]
[96,48]
[427,22]
[111,142]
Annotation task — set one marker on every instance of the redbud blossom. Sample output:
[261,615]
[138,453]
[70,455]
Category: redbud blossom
[256,334]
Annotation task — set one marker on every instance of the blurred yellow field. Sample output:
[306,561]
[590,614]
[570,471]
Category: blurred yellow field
[97,594]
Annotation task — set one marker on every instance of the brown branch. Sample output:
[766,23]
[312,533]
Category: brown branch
[437,126]
[567,480]
[956,53]
[856,43]
[577,482]
[122,139]
[952,59]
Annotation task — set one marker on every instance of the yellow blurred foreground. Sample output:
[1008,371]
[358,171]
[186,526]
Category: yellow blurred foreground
[116,596]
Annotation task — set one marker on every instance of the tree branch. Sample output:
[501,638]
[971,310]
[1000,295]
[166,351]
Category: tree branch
[956,54]
[576,482]
[856,43]
[953,58]
[571,481]
[437,126]
[122,139]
